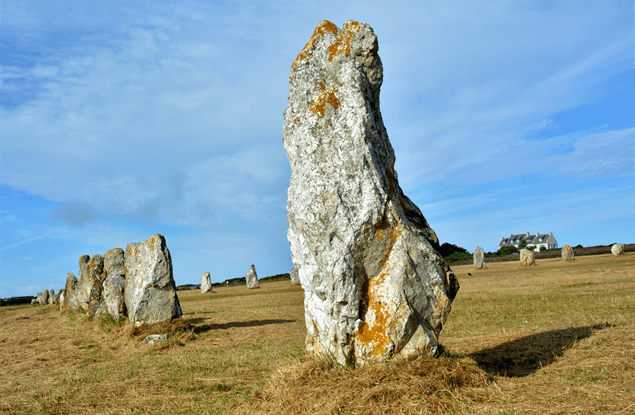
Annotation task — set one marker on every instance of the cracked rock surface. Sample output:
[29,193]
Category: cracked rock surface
[374,284]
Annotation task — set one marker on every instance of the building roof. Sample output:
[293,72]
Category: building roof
[537,239]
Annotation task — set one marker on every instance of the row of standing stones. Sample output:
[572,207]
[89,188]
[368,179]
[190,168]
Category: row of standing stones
[137,284]
[527,256]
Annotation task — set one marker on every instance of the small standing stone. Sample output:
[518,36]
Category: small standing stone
[617,249]
[567,253]
[70,297]
[45,297]
[62,299]
[51,297]
[295,275]
[527,257]
[206,283]
[252,278]
[479,258]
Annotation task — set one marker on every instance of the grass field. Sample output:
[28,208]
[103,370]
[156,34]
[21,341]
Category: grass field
[555,338]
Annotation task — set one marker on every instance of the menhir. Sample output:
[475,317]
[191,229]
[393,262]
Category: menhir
[374,285]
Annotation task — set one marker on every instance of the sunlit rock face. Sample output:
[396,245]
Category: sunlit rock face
[617,249]
[527,257]
[90,285]
[115,284]
[478,258]
[252,278]
[71,299]
[374,285]
[567,253]
[206,283]
[150,291]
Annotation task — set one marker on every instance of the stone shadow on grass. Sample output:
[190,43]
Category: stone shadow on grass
[524,356]
[207,327]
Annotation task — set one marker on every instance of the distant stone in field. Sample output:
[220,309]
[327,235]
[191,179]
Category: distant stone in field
[527,257]
[33,301]
[295,275]
[374,283]
[51,297]
[45,297]
[155,338]
[150,292]
[206,283]
[71,299]
[479,258]
[567,253]
[252,278]
[617,249]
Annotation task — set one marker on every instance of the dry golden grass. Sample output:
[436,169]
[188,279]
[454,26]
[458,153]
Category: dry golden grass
[557,338]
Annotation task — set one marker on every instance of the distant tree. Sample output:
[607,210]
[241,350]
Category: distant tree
[543,248]
[506,250]
[578,246]
[522,244]
[457,256]
[448,249]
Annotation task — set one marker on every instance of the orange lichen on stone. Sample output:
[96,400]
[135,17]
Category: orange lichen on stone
[320,30]
[375,335]
[296,119]
[326,96]
[344,38]
[391,234]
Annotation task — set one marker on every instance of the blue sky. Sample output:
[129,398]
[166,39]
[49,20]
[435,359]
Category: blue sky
[123,120]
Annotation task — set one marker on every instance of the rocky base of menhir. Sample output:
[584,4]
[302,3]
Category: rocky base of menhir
[374,285]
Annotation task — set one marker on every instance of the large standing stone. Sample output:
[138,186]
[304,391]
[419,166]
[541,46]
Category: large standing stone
[150,289]
[206,283]
[51,297]
[295,276]
[90,284]
[115,284]
[527,257]
[45,297]
[479,258]
[374,285]
[617,249]
[252,278]
[71,299]
[567,253]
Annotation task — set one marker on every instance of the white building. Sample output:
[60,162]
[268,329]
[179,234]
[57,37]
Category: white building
[534,242]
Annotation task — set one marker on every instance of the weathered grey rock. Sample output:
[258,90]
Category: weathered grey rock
[374,284]
[51,299]
[113,301]
[33,301]
[150,289]
[252,278]
[113,295]
[155,338]
[45,297]
[479,258]
[617,249]
[527,257]
[71,299]
[567,253]
[206,283]
[90,285]
[295,275]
